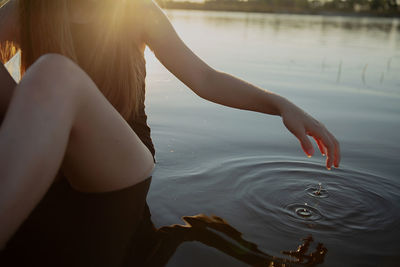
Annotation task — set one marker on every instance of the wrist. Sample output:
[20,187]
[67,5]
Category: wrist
[280,105]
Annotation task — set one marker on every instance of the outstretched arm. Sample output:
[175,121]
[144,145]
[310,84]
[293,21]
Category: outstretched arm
[228,90]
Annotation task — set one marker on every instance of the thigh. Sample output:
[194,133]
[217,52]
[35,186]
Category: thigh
[57,110]
[103,152]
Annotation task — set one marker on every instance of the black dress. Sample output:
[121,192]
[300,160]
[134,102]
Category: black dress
[70,228]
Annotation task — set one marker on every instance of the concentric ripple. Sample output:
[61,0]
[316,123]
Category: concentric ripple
[274,202]
[291,195]
[288,197]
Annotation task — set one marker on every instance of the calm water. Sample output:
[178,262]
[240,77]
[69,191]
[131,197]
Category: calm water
[246,168]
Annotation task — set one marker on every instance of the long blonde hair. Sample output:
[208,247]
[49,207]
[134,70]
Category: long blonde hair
[115,62]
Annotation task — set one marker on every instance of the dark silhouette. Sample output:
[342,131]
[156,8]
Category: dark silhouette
[339,7]
[212,231]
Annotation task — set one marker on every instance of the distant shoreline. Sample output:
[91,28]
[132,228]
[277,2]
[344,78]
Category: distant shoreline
[255,7]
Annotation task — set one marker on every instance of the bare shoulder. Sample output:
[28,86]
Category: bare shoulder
[9,30]
[154,22]
[146,7]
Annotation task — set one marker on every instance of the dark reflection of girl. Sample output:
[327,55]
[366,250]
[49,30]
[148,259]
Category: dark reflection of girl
[75,149]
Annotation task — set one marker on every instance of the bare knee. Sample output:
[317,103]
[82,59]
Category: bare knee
[53,77]
[53,66]
[53,58]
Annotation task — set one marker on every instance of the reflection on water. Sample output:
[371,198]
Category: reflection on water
[246,168]
[217,233]
[315,257]
[277,21]
[353,213]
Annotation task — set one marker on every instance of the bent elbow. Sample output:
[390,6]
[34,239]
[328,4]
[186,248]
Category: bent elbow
[205,84]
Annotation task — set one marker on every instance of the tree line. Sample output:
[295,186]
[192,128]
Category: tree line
[356,5]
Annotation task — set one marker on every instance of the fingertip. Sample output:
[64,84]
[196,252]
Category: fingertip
[336,164]
[328,164]
[306,145]
[330,161]
[310,152]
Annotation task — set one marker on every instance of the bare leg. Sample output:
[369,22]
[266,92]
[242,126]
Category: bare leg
[58,116]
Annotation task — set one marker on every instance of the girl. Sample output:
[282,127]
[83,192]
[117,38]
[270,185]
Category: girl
[74,137]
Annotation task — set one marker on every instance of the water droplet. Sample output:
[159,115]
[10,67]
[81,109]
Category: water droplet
[304,211]
[317,191]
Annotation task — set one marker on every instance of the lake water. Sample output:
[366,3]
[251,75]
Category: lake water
[246,168]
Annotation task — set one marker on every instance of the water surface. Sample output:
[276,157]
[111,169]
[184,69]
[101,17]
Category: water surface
[246,168]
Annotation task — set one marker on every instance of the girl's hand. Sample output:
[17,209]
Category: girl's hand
[302,124]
